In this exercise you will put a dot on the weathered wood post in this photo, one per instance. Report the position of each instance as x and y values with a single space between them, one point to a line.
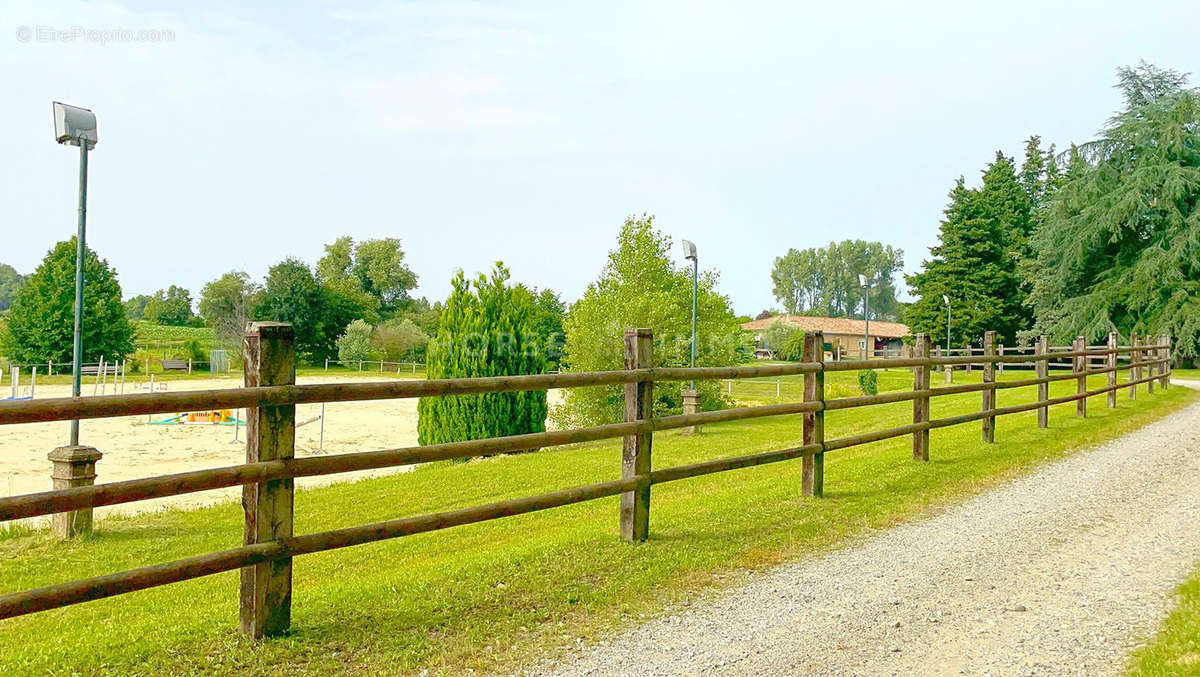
635 456
1152 368
1134 372
1081 365
1000 352
969 352
1165 342
266 596
74 466
1111 363
921 404
1043 371
813 471
989 394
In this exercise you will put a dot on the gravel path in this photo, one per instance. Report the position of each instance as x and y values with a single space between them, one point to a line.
1060 572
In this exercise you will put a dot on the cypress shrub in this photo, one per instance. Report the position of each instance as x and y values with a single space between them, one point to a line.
486 329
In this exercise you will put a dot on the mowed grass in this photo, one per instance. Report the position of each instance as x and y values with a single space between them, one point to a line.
1176 648
491 595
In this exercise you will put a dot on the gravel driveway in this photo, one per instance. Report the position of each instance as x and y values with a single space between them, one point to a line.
1061 572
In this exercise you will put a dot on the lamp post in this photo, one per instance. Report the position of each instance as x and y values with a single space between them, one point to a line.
689 253
866 287
947 300
76 126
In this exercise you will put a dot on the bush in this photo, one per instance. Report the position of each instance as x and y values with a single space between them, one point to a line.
355 344
868 382
399 341
793 347
487 329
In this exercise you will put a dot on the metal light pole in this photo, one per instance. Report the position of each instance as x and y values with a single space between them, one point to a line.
76 126
866 286
947 300
689 252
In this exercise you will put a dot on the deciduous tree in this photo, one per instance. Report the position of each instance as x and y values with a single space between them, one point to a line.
641 286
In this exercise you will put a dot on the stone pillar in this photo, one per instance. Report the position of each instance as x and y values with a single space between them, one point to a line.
74 466
691 405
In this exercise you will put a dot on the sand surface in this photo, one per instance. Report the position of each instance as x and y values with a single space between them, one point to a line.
134 448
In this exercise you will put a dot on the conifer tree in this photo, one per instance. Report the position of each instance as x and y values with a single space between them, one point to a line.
486 329
982 241
1119 243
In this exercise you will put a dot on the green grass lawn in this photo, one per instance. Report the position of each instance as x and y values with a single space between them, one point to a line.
1176 648
490 595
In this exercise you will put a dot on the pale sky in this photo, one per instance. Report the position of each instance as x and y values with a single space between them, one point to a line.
527 132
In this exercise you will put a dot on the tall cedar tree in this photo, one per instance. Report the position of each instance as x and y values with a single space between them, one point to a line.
1119 243
40 324
641 286
976 262
487 329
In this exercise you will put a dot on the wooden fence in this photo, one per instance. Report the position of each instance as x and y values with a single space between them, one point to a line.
271 396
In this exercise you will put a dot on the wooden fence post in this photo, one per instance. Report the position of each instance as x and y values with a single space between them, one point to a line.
1081 365
635 456
1111 363
1043 389
1134 372
1151 369
813 470
989 395
969 352
1165 342
1000 352
921 404
266 593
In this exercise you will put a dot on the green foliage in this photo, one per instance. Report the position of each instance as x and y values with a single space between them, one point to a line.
425 315
641 287
40 324
135 308
172 307
318 314
824 281
399 340
227 304
793 347
550 311
1119 243
775 336
976 261
195 350
371 274
868 382
355 344
486 330
10 282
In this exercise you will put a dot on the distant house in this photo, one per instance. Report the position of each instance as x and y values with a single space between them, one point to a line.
843 336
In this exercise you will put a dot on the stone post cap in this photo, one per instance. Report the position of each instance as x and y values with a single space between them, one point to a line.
75 454
688 392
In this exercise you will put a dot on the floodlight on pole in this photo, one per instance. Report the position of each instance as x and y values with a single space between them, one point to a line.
689 253
866 286
947 300
75 126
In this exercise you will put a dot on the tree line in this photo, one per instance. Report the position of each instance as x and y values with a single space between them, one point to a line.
1102 237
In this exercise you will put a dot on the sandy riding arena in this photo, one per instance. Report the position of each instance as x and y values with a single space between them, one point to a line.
133 447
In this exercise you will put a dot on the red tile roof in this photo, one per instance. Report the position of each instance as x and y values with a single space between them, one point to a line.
832 325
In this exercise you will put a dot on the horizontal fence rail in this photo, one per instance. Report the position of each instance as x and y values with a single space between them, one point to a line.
271 395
